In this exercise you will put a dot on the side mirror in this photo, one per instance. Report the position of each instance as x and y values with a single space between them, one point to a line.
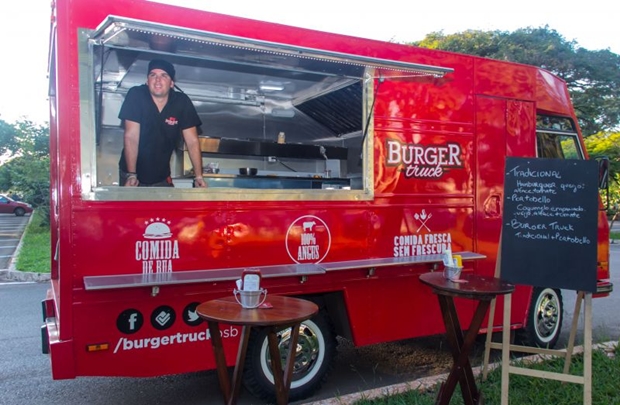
603 178
603 173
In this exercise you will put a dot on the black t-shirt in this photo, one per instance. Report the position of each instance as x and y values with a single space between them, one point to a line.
160 132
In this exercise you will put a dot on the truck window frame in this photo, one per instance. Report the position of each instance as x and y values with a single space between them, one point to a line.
107 36
557 138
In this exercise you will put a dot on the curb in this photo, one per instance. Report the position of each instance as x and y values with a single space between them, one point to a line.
25 276
426 383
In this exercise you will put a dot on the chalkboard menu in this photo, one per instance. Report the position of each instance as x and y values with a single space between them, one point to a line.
549 230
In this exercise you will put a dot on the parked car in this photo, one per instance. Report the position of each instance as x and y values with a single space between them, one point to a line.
10 206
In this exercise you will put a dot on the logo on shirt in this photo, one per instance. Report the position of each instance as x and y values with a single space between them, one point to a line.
172 121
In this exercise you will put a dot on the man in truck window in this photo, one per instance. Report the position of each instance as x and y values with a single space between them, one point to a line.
154 117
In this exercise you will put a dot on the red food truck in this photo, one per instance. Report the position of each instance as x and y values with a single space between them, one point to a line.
367 161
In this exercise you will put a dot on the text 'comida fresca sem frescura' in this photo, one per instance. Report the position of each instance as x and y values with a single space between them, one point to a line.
417 245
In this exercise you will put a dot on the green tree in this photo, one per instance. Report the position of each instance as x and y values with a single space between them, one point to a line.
8 142
592 77
24 147
608 145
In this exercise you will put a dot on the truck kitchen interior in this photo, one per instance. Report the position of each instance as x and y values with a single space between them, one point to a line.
298 118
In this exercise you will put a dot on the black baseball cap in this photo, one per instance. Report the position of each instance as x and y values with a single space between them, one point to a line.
163 65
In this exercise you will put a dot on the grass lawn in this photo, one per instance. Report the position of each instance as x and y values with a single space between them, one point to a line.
35 253
531 390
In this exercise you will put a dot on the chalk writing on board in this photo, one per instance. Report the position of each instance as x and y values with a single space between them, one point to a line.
549 230
528 172
536 215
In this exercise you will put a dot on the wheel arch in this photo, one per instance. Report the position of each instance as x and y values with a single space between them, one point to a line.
334 304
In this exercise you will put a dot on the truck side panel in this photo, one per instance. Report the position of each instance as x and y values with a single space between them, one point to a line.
129 269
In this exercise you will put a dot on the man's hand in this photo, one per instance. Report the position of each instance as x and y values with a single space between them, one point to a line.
200 182
132 181
190 136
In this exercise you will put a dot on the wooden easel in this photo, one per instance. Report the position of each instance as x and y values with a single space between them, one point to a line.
506 347
526 261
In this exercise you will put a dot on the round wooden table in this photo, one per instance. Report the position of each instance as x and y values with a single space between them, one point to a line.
285 312
482 289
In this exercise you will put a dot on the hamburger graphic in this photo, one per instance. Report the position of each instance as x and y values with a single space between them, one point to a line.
157 230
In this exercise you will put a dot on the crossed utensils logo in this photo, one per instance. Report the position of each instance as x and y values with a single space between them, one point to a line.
422 218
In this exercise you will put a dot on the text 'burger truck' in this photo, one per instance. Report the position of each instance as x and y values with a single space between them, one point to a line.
363 162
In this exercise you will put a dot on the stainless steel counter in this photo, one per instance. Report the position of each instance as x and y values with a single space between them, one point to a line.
266 182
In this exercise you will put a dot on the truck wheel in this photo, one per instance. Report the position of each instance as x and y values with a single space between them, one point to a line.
316 348
544 321
19 212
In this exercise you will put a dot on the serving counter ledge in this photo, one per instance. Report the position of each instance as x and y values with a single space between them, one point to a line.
194 276
108 282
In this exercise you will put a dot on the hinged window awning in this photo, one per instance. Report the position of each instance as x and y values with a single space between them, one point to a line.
142 35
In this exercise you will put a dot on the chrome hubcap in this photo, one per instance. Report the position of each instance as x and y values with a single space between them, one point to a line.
547 316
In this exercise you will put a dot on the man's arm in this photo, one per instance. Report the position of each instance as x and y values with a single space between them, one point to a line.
131 139
190 136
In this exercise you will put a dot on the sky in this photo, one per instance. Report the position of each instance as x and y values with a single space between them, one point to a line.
24 30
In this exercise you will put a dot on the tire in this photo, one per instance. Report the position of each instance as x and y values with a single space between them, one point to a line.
544 320
314 359
19 212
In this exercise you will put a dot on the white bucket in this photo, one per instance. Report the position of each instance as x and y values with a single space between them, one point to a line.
452 272
250 299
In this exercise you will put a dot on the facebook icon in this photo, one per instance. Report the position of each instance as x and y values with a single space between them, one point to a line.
129 321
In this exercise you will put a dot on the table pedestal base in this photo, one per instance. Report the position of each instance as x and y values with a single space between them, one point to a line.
470 286
461 346
282 378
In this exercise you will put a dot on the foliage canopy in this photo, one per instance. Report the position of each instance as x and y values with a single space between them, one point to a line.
608 145
592 77
24 147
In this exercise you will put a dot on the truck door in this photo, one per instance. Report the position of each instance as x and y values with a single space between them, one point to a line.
503 128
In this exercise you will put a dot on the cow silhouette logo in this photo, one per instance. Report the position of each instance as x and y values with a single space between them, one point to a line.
308 240
308 225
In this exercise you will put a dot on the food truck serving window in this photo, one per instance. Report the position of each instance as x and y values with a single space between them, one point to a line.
298 118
